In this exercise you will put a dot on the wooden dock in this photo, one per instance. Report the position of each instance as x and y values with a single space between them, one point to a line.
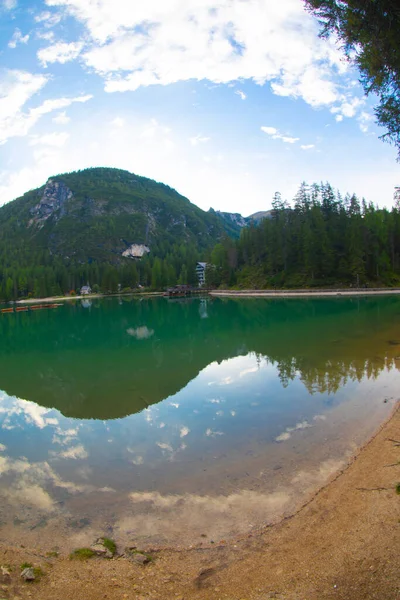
25 308
184 291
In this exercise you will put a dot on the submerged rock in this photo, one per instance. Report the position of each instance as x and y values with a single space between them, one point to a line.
99 548
140 558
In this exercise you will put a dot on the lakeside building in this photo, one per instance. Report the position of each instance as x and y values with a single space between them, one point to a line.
201 273
85 289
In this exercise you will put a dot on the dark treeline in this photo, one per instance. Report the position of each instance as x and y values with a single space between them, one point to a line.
45 275
322 239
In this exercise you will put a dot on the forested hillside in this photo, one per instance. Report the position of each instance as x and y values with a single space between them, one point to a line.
321 239
76 228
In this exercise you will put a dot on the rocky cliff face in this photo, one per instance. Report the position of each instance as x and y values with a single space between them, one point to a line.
136 251
106 216
53 202
234 218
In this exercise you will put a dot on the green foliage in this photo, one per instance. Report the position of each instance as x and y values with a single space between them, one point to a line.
82 554
109 544
82 241
38 573
26 565
369 32
324 240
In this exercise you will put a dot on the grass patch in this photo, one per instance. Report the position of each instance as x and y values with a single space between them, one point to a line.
398 488
38 572
82 554
109 544
52 554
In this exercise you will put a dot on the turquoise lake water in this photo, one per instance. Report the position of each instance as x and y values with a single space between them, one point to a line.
166 421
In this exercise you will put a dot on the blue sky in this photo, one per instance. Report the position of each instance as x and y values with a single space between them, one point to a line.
227 101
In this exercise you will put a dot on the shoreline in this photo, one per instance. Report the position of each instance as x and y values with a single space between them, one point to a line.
303 293
299 293
85 297
340 544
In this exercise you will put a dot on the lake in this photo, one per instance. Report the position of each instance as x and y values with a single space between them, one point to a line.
180 422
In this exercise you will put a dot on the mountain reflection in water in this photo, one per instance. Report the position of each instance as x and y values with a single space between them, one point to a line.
171 420
112 359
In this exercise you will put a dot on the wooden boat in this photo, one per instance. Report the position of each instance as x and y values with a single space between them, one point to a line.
28 308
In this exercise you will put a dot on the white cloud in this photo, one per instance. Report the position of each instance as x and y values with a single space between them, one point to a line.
365 120
57 103
248 371
18 38
307 146
76 452
241 94
198 139
348 107
48 19
8 4
165 446
118 122
140 333
165 42
154 131
276 135
211 433
286 435
16 89
184 431
61 118
45 35
56 139
60 52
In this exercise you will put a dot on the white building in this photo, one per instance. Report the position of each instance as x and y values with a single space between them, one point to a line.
85 289
201 273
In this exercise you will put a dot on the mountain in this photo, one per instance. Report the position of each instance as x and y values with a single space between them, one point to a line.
106 227
99 214
234 222
259 216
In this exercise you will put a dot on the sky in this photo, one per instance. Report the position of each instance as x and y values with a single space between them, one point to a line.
227 101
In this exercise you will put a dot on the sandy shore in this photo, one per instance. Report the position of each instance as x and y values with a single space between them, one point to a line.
343 544
85 297
303 293
233 294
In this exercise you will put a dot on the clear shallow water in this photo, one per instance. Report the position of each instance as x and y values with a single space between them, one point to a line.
162 421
